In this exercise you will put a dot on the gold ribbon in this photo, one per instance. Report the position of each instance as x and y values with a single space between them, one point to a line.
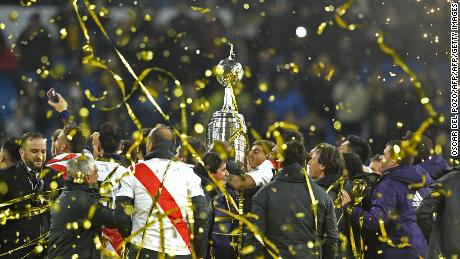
408 146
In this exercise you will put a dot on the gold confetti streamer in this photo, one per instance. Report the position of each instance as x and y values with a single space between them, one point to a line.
408 146
314 202
27 3
321 28
340 12
200 9
40 239
384 237
271 247
89 58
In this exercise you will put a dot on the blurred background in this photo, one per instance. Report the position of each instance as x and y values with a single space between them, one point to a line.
330 85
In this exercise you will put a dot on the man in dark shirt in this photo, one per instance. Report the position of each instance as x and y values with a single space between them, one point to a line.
283 213
77 217
21 237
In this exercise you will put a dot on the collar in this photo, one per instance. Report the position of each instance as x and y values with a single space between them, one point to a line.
391 171
327 180
71 185
368 177
292 173
160 150
264 162
28 169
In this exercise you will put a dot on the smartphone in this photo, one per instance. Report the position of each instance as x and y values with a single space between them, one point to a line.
52 96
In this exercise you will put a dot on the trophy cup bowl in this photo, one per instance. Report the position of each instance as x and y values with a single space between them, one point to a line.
229 72
227 124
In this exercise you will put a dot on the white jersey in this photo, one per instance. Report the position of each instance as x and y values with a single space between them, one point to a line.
179 183
263 173
111 172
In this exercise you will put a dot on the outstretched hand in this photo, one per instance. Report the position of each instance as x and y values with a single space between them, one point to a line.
61 105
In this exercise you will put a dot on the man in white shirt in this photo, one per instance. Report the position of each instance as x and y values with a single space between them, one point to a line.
107 144
153 204
260 168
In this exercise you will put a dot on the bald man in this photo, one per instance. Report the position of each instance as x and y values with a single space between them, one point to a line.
171 184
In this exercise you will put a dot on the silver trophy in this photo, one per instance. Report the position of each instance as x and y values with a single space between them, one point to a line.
227 124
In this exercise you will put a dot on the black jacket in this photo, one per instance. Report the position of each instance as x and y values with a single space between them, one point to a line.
73 229
343 223
443 233
284 215
15 182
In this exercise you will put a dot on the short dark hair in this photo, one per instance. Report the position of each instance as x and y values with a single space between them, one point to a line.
331 158
212 161
294 153
76 141
423 148
376 157
360 147
125 145
291 134
11 146
199 147
403 159
353 164
267 145
110 138
30 135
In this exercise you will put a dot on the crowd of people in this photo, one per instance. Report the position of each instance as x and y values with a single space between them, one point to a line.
104 197
324 190
312 81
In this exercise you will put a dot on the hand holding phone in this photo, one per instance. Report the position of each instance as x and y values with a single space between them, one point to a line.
52 96
56 101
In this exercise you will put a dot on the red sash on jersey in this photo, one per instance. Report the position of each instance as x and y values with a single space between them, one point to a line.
59 163
151 182
116 240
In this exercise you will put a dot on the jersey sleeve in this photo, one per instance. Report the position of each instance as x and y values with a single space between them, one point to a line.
263 174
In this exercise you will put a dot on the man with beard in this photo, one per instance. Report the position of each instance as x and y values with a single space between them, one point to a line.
19 181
